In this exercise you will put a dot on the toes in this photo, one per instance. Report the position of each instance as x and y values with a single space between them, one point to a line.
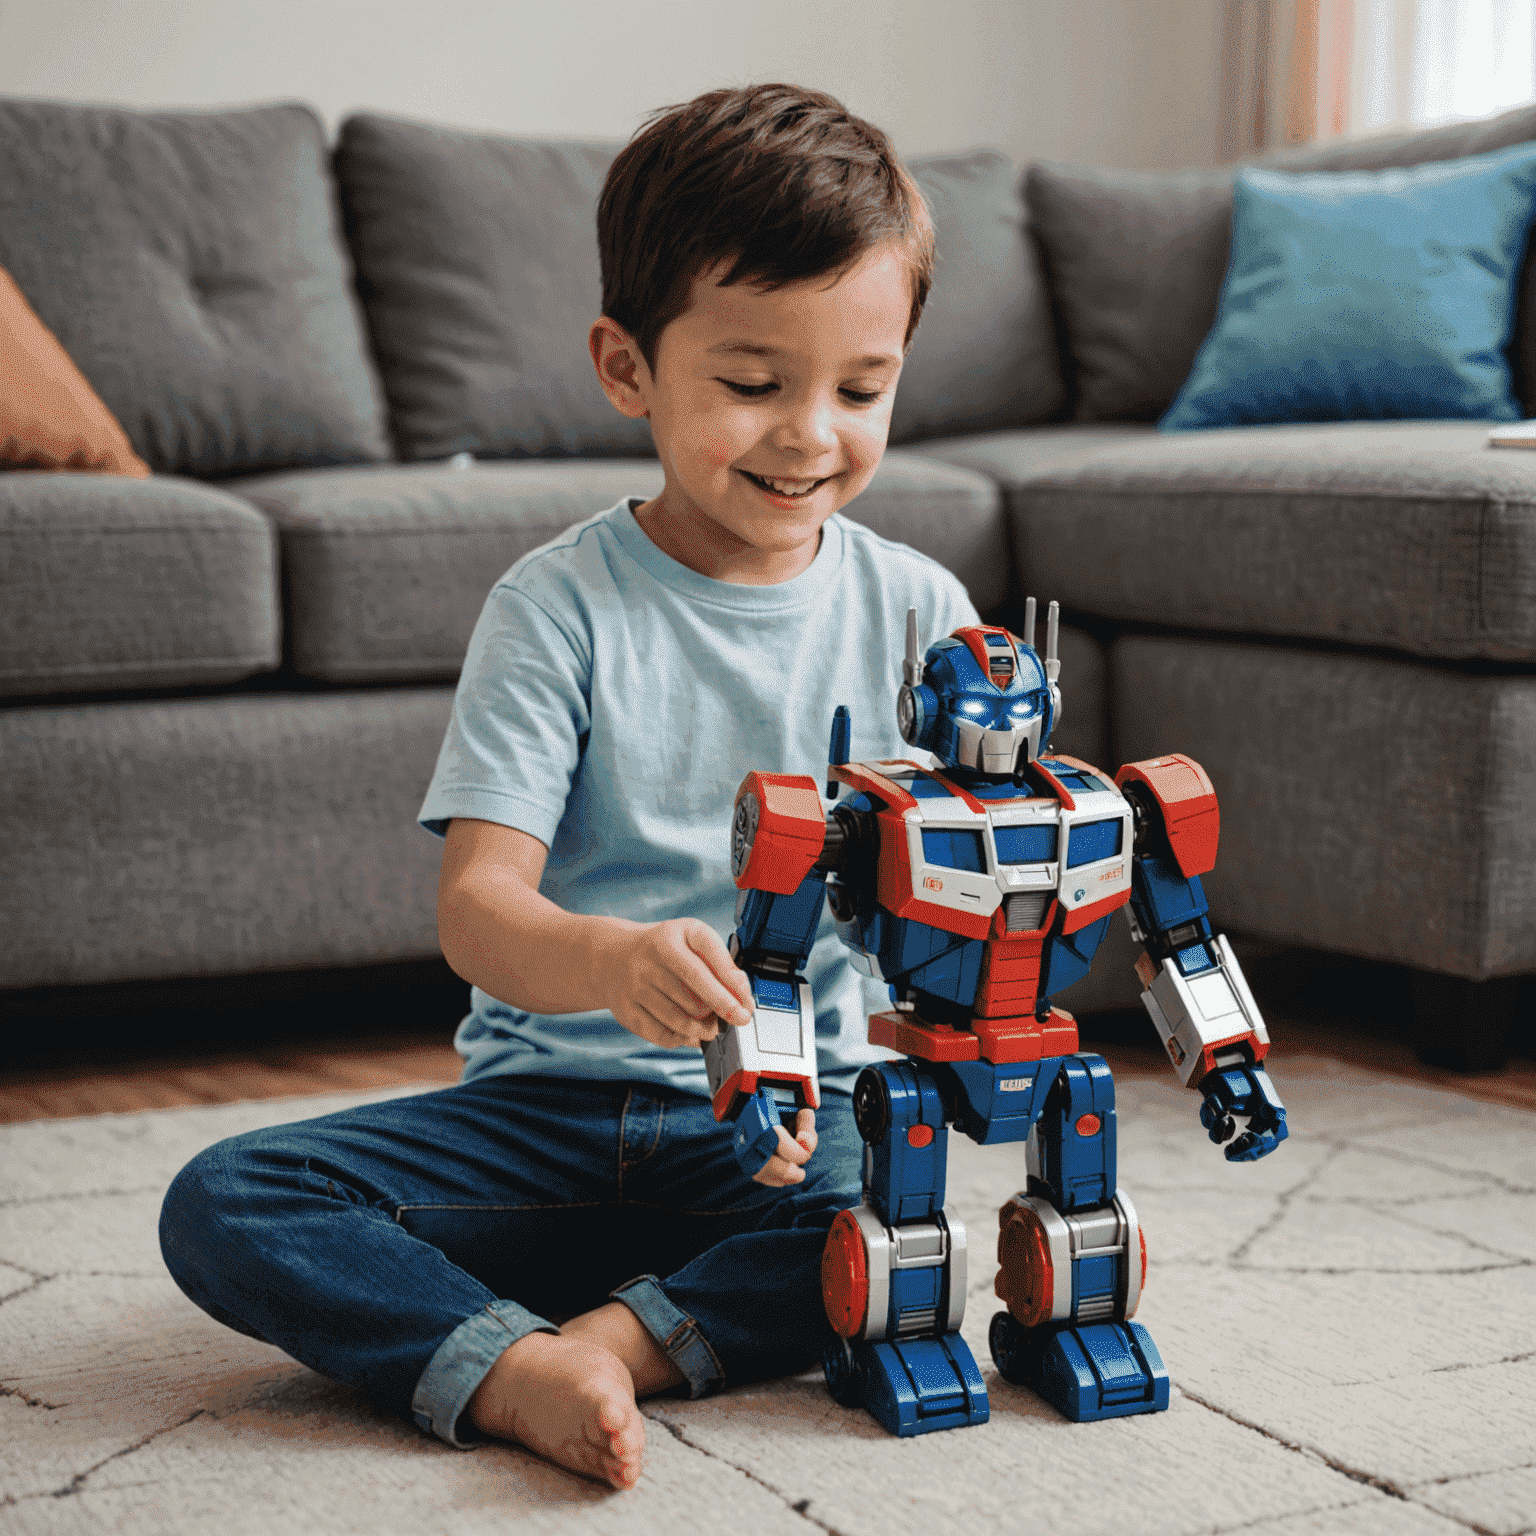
617 1413
622 1474
628 1444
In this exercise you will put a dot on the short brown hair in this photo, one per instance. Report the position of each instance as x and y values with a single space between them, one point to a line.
780 182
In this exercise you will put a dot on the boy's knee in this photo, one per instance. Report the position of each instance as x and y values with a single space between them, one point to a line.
194 1203
219 1190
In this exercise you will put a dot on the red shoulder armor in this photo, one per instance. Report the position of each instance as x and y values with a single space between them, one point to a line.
1184 795
777 832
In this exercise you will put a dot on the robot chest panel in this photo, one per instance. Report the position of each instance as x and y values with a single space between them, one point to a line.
952 861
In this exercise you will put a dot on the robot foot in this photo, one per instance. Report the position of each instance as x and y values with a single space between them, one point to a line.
912 1386
1086 1371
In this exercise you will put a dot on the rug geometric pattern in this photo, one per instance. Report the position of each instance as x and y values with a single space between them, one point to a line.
1350 1327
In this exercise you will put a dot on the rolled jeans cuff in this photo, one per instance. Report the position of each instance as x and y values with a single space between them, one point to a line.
676 1333
444 1389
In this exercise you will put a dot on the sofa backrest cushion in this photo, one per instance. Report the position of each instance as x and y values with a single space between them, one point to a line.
1136 259
477 262
477 265
190 264
985 355
50 417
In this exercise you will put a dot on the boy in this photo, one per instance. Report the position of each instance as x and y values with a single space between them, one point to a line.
765 261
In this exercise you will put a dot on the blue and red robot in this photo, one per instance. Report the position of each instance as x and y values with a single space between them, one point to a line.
977 888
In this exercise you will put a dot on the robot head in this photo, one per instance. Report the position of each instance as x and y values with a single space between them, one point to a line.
981 699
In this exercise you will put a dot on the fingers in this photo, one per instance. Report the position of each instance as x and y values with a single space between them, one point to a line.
679 983
785 1166
715 977
805 1130
648 1026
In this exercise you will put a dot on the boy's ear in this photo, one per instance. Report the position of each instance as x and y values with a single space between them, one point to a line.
620 368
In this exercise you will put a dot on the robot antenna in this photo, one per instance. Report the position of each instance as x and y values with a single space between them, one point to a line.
912 666
1052 661
1029 622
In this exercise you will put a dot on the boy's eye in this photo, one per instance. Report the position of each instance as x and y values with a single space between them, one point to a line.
748 391
862 396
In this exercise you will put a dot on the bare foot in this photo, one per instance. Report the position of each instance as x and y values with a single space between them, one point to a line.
615 1327
569 1399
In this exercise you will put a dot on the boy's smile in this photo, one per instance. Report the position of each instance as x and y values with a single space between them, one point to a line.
769 409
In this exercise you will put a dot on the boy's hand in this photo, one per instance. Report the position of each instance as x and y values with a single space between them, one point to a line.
670 982
785 1166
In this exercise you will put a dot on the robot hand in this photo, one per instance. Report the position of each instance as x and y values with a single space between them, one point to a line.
1243 1091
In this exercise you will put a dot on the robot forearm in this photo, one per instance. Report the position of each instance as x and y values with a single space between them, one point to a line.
1205 1016
1195 992
760 1071
1194 988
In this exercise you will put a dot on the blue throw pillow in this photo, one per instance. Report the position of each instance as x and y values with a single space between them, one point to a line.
1360 295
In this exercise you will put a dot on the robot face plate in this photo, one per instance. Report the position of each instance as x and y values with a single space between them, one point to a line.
998 734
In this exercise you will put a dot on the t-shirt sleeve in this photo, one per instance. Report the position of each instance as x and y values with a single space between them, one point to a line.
520 719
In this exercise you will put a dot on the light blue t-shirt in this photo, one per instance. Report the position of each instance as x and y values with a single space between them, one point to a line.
610 705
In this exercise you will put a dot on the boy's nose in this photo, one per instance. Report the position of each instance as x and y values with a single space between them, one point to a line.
806 429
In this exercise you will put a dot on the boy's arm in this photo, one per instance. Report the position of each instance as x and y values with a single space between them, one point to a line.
665 982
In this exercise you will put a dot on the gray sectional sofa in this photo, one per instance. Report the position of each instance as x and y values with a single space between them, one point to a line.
359 374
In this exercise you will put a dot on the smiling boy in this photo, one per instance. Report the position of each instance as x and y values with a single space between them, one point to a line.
765 261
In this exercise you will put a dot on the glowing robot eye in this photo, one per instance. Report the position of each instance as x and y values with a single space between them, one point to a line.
973 707
1023 709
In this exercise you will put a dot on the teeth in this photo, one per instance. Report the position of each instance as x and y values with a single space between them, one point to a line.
787 487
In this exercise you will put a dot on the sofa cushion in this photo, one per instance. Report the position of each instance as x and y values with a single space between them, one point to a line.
477 263
217 836
109 583
386 569
985 355
191 266
50 417
1136 259
1367 295
1412 535
1369 805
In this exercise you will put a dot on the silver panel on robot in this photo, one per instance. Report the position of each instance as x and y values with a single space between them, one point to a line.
917 1245
981 891
1110 1231
776 1040
1192 1013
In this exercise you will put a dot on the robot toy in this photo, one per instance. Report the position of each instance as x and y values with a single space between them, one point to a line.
977 888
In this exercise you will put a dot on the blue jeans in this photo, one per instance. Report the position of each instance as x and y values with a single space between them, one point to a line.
401 1247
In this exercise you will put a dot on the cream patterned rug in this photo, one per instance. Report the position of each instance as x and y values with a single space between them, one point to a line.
1350 1327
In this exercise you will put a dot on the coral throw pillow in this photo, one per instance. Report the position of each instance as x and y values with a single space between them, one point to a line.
1359 295
50 417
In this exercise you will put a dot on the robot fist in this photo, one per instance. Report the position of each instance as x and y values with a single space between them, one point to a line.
1245 1091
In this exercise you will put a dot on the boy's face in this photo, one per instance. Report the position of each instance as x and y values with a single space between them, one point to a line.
769 410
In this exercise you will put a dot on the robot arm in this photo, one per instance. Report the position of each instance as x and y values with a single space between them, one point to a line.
1194 988
761 1071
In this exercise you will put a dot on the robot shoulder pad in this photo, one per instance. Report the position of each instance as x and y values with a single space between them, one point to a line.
1176 789
777 832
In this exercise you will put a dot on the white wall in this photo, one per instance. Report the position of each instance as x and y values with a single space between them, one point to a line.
1126 82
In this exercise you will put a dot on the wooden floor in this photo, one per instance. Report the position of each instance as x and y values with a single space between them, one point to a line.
39 1093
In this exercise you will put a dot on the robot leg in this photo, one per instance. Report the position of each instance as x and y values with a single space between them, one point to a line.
893 1270
1073 1264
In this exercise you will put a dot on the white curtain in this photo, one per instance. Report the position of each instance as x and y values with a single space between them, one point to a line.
1433 61
1295 70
